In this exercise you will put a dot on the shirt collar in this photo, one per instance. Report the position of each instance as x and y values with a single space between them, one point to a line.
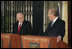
55 19
19 24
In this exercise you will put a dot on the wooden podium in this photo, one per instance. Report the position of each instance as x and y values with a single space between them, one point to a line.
10 41
30 41
15 41
5 39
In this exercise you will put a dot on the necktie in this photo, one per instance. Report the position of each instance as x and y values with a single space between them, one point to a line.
19 28
51 24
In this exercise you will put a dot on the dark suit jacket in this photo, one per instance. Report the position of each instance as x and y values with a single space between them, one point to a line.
58 28
25 28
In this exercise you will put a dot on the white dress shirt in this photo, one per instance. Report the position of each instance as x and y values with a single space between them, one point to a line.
54 21
19 24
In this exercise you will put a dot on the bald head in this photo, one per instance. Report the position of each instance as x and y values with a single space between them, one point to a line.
52 13
20 17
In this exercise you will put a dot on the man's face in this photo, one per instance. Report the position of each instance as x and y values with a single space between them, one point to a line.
50 15
20 17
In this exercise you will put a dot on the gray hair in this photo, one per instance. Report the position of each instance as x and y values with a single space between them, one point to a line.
54 12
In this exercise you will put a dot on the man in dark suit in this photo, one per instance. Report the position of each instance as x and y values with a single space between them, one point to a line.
56 27
22 27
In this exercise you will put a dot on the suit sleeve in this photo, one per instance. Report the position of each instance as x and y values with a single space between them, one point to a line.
13 29
62 29
29 28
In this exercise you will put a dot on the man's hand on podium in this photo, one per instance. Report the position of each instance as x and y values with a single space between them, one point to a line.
59 39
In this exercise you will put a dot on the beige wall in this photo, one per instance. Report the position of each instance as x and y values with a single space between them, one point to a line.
65 18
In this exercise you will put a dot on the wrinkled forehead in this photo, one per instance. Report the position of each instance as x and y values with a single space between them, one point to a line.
20 15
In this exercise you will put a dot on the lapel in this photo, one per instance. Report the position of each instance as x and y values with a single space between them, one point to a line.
22 27
55 23
16 26
49 26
